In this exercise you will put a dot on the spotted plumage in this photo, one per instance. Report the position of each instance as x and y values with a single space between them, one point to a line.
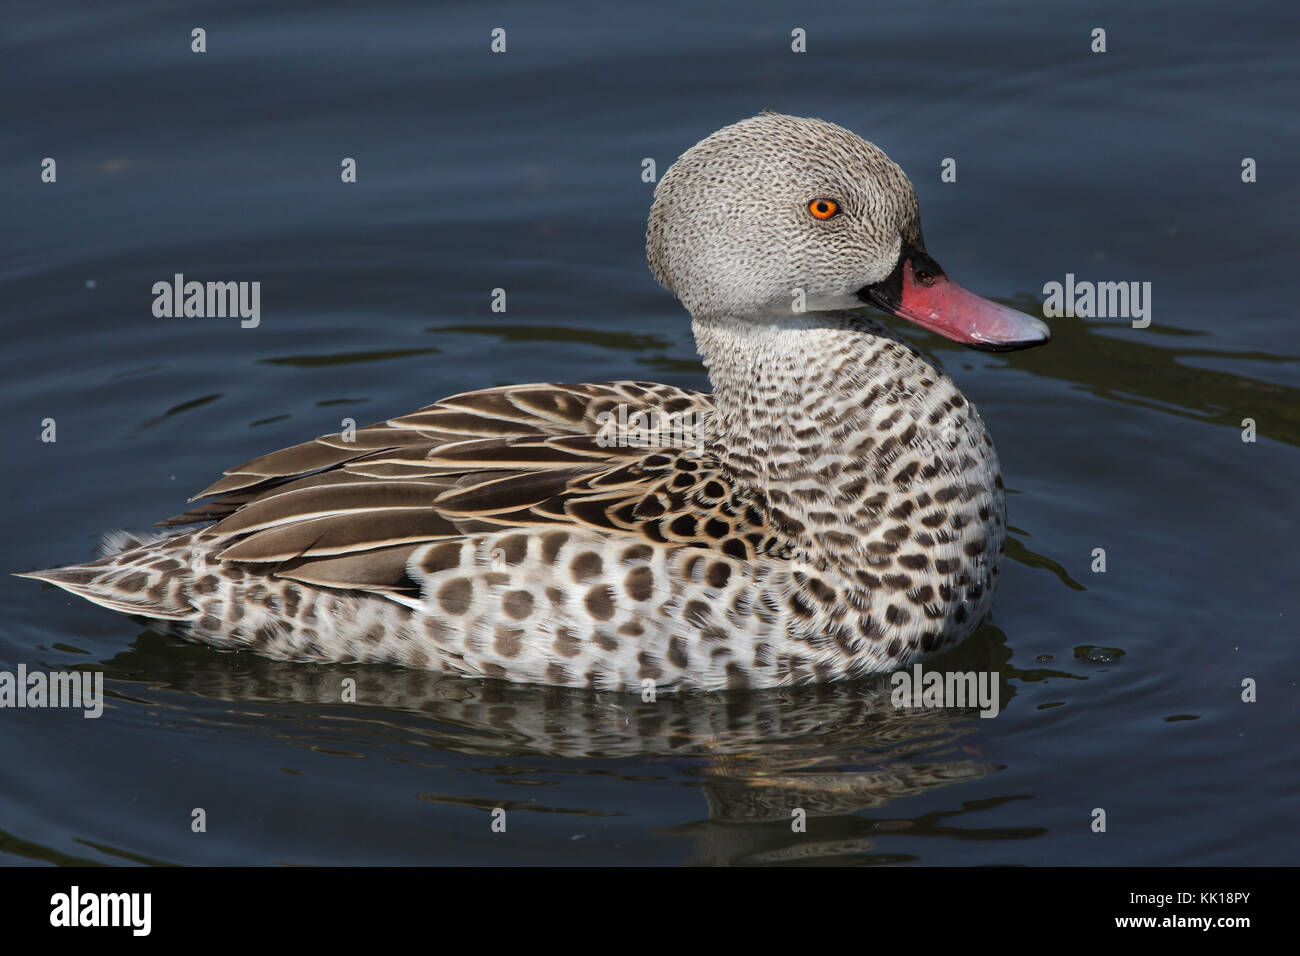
834 509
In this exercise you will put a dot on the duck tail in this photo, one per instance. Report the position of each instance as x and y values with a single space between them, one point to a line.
137 575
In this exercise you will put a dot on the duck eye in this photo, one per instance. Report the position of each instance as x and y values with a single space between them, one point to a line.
824 208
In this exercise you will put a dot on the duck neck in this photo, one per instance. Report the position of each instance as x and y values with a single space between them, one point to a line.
792 391
822 412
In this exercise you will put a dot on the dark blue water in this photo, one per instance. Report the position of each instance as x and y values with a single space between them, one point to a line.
523 171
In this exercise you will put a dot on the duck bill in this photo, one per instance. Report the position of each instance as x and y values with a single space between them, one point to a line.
919 291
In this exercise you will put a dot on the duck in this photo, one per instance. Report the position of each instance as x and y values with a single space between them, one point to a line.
833 509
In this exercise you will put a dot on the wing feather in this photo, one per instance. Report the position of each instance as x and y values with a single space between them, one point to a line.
347 510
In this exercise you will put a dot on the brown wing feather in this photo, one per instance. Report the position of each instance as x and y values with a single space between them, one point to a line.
348 513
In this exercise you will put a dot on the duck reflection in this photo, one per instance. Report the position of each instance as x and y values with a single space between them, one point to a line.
759 757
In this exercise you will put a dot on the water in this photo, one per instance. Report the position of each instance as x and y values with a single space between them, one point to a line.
522 171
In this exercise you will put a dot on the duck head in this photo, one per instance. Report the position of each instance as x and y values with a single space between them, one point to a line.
780 214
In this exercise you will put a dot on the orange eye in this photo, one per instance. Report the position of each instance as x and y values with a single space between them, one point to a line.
824 208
